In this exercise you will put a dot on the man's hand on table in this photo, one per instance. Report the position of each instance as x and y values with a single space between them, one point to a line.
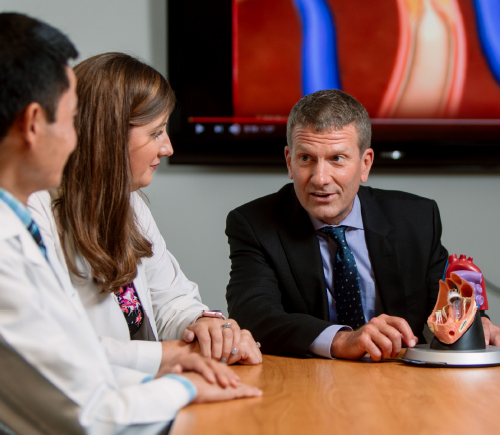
382 337
491 332
248 352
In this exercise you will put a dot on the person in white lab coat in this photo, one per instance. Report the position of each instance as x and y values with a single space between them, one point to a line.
54 375
136 296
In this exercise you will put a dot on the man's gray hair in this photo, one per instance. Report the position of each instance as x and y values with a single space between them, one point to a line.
330 109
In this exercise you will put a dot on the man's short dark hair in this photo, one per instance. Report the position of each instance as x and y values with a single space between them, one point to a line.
330 109
33 60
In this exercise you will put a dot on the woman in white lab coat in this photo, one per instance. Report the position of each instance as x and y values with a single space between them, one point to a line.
138 300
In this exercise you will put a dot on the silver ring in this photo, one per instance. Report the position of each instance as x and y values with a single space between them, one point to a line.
226 325
223 360
257 344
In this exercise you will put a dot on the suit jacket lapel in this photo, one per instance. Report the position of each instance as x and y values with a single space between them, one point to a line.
381 242
302 250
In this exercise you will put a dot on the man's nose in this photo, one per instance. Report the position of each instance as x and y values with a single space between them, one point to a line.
319 176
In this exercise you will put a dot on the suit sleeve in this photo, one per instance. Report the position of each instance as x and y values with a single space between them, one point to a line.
437 262
255 299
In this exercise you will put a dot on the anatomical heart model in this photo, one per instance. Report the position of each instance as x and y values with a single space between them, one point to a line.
461 294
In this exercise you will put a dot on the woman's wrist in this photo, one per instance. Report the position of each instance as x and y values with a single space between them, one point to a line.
215 314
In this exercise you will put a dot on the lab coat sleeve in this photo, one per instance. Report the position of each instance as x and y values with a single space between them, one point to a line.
176 300
52 333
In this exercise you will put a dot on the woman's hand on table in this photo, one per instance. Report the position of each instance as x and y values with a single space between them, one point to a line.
179 357
223 340
208 392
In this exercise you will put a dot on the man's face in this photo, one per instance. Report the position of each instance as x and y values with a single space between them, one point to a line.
58 139
326 170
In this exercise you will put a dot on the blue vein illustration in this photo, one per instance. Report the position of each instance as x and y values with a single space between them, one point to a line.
319 46
488 24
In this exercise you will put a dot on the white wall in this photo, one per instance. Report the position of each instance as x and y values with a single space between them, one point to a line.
190 203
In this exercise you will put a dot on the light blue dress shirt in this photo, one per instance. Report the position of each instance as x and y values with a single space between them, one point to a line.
355 237
17 207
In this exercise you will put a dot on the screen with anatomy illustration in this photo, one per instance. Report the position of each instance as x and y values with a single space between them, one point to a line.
427 71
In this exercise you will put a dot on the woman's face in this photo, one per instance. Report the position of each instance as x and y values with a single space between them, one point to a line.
146 145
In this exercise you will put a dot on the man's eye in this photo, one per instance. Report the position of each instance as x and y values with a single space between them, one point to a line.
304 158
337 158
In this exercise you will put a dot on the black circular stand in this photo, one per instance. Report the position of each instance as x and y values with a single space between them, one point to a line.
468 351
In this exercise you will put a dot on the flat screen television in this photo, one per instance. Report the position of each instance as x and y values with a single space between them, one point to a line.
427 71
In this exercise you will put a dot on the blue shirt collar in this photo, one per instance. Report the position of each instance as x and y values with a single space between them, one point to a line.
17 207
352 220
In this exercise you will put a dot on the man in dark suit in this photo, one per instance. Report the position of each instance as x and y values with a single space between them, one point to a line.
293 252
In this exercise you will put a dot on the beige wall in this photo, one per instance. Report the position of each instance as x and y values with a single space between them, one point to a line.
190 203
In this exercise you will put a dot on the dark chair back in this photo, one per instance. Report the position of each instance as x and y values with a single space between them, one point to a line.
29 403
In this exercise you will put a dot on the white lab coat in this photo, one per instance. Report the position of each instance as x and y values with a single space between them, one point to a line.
43 319
170 300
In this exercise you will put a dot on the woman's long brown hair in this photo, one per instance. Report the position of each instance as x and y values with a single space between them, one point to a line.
92 206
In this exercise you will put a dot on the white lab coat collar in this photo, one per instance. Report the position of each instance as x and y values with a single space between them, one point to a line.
11 226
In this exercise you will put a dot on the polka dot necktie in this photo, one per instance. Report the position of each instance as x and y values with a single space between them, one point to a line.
346 285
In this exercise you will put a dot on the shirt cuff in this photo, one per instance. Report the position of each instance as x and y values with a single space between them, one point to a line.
188 385
323 343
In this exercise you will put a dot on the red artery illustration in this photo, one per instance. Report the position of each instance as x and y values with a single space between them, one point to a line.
371 41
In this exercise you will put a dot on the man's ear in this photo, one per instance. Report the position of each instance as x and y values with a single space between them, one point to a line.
288 158
366 164
33 123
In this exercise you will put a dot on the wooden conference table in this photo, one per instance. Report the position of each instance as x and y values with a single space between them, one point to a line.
317 396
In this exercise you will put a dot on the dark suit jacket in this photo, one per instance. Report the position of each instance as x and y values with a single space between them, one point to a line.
277 288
